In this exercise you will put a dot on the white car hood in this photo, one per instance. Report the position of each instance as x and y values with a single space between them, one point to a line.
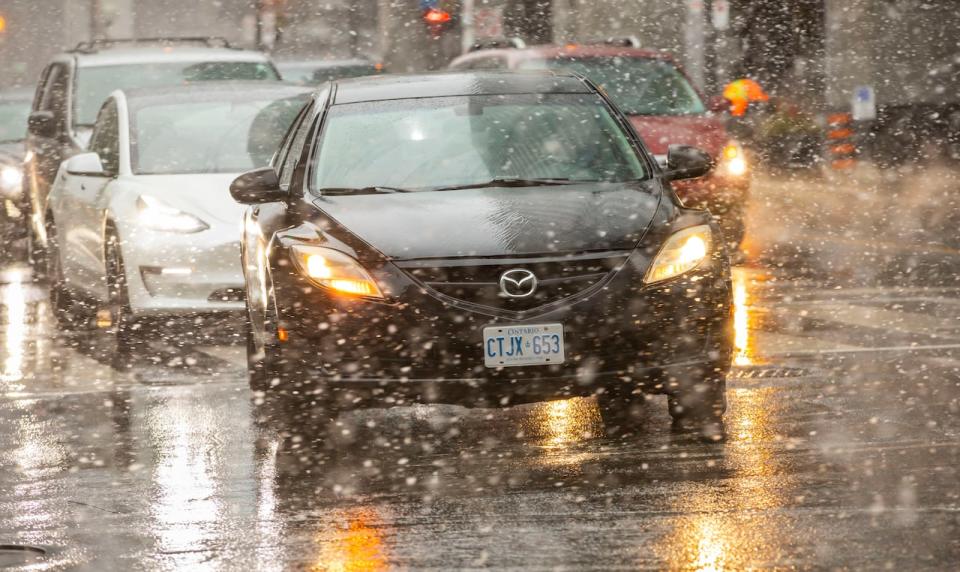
204 196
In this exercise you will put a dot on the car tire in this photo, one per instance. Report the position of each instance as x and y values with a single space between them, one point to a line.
622 410
257 374
36 255
125 329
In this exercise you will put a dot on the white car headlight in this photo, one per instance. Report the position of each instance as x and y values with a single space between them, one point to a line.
156 215
733 161
11 177
682 252
335 271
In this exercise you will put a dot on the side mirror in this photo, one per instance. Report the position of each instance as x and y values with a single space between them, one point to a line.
86 164
718 104
257 186
687 162
42 124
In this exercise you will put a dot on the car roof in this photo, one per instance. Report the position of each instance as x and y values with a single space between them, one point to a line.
324 64
553 51
201 90
159 54
453 83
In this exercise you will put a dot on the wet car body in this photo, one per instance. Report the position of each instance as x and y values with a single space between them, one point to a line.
153 233
723 192
437 257
74 84
318 71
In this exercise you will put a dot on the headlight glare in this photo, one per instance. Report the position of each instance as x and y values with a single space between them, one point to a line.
733 160
682 252
335 271
10 179
156 215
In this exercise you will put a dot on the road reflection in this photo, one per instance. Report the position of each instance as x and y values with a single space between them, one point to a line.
746 318
736 523
15 327
357 541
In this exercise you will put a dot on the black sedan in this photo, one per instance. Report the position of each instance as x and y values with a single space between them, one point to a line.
486 238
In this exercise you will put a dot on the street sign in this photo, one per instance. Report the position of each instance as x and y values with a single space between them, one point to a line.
720 15
864 103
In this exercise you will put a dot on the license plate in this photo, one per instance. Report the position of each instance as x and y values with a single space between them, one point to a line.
529 344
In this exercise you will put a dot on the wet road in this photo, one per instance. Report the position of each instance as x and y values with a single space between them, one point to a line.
842 450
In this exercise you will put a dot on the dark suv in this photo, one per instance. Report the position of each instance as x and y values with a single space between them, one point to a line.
75 83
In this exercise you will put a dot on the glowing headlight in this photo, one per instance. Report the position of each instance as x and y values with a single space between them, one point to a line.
156 215
682 252
10 179
335 271
733 160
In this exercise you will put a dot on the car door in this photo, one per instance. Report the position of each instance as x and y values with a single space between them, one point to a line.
81 227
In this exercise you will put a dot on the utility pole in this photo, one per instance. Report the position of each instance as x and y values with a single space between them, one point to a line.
467 30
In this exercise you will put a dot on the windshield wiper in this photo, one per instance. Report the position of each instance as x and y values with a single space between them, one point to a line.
376 190
511 182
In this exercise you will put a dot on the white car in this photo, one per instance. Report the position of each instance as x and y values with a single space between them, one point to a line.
144 224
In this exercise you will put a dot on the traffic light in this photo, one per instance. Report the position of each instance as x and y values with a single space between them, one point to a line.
436 17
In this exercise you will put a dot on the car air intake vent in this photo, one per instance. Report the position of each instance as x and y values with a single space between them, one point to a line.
481 281
227 295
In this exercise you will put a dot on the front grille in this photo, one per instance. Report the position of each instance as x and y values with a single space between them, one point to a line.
477 281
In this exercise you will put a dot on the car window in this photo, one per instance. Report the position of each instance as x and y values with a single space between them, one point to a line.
41 88
94 84
638 85
57 88
448 141
13 120
105 140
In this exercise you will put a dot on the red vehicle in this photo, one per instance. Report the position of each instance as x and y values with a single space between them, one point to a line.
664 107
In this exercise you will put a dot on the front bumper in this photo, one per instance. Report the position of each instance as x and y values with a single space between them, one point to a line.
171 273
624 333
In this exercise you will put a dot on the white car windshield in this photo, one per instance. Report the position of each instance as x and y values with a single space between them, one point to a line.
217 136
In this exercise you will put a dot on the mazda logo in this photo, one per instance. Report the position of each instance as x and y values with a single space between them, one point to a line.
518 283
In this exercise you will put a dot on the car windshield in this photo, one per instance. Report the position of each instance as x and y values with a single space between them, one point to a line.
13 120
94 84
639 86
432 143
214 136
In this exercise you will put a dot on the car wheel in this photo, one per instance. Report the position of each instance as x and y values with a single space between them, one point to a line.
36 255
125 330
622 410
258 376
61 303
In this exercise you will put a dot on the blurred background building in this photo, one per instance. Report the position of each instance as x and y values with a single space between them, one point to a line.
819 51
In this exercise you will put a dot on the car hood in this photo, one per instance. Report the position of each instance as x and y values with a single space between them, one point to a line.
659 132
498 221
205 196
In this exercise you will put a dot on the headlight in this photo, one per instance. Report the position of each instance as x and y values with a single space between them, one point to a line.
732 160
682 252
156 215
334 271
10 179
